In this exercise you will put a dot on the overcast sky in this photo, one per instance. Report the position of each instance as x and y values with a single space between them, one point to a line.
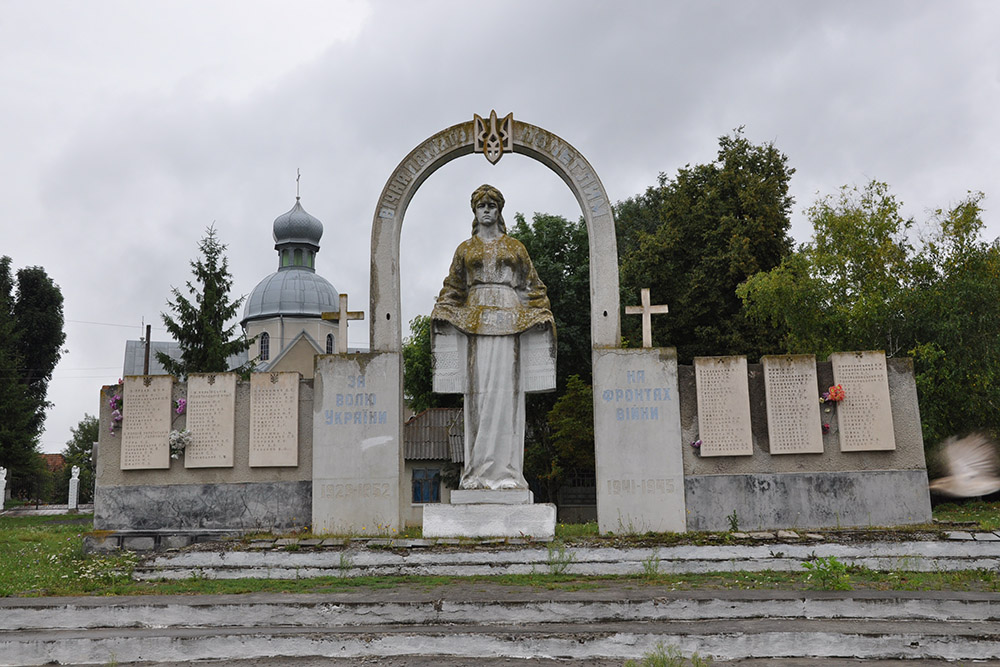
129 127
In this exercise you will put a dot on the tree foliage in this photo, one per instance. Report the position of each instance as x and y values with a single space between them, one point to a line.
31 339
694 238
560 252
199 325
846 289
867 281
572 423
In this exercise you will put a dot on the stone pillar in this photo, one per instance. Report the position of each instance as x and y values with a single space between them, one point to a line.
637 441
74 489
357 443
3 487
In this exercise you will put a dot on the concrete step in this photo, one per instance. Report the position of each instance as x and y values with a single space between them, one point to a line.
723 640
475 620
353 561
489 604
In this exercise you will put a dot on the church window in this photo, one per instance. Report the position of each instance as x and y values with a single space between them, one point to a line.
265 346
298 257
286 258
426 485
329 343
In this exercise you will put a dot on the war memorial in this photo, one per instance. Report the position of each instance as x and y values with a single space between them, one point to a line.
678 448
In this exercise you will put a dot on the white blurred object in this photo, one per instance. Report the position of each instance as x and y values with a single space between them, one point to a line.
971 466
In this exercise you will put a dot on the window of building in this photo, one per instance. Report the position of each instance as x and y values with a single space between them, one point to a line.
265 347
426 485
329 343
298 257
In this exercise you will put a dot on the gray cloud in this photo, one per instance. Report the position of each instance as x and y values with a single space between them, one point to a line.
130 127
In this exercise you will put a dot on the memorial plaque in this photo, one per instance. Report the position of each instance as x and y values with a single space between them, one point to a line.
274 420
146 414
538 360
449 359
865 415
211 418
794 424
723 406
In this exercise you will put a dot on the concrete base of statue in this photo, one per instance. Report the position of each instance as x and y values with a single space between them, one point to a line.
491 497
490 514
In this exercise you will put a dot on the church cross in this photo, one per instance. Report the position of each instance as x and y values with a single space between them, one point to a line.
342 317
647 311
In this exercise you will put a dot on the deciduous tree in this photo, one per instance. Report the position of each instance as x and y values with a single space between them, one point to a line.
697 236
866 281
31 338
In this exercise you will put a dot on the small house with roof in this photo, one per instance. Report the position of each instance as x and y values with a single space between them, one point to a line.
433 456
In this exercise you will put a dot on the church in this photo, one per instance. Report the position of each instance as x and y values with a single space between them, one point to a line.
283 313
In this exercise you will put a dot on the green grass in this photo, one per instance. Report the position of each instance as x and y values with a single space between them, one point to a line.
669 656
42 556
986 515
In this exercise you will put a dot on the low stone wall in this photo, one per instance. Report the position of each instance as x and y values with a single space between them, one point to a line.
237 498
824 490
244 507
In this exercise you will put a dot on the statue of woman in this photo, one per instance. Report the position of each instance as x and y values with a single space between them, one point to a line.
494 308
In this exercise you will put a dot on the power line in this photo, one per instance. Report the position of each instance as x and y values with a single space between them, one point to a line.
111 324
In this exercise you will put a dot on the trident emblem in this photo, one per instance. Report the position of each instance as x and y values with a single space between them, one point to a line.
493 139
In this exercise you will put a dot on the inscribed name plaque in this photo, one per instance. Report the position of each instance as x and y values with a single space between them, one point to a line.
274 420
865 415
723 406
211 416
146 422
794 425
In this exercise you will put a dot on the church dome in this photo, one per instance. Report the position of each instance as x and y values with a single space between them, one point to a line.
297 226
295 289
291 293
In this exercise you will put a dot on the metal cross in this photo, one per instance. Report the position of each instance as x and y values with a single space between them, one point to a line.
647 311
341 318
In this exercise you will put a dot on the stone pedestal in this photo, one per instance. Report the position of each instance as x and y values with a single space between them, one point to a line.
74 493
637 440
490 520
490 497
357 444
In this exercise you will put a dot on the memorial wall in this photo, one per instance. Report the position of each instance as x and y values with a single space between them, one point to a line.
759 440
247 464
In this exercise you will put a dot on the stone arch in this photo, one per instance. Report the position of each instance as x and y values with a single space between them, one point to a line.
457 141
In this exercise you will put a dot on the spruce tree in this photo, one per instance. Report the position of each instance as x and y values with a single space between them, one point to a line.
199 325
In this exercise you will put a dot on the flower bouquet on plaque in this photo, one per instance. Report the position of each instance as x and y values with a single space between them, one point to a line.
116 404
829 399
179 440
